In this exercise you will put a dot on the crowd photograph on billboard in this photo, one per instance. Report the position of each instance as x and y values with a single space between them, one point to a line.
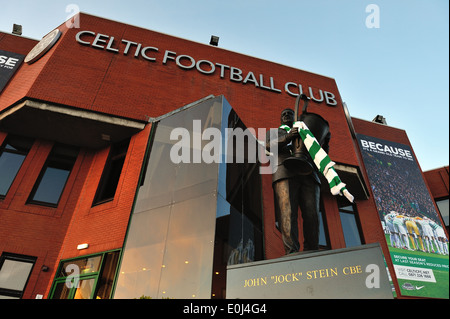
416 239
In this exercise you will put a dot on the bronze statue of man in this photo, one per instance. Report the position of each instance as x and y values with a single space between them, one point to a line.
293 190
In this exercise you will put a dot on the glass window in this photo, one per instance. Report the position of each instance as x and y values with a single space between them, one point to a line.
111 173
14 273
85 289
12 154
170 240
239 232
86 278
53 177
350 224
106 279
191 218
324 242
61 290
84 266
442 204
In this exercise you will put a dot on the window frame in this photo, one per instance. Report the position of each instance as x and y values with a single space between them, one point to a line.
53 161
18 258
96 275
440 205
4 149
353 212
324 223
117 152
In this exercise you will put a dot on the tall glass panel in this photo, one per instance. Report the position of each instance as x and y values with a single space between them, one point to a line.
239 230
187 262
196 211
170 242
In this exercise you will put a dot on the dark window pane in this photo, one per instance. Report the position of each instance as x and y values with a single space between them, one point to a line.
61 291
350 228
54 175
111 173
12 155
112 179
323 230
51 185
350 224
9 166
443 209
105 283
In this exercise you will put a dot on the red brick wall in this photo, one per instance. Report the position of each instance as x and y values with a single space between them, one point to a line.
35 230
99 80
17 44
54 233
102 81
437 180
103 226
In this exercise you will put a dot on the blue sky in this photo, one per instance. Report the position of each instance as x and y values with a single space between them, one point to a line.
399 70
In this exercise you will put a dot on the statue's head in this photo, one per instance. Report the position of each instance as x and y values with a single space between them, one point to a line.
287 117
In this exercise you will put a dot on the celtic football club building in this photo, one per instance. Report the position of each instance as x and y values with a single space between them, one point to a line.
133 165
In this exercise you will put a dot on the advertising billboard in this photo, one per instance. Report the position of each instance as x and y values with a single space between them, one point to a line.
9 64
414 234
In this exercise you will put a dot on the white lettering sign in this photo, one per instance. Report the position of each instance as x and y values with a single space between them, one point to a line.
386 149
186 62
414 273
8 62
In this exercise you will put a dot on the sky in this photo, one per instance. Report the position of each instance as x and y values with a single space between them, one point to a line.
388 57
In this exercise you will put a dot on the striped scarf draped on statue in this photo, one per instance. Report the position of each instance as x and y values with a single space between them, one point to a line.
321 160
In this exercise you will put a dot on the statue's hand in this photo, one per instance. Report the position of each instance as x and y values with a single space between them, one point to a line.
293 133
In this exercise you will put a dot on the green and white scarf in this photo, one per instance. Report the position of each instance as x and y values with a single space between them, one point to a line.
321 160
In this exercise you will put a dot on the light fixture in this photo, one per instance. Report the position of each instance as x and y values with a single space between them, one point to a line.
17 29
82 246
214 40
380 119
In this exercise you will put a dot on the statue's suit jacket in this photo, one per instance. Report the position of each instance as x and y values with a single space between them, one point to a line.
284 146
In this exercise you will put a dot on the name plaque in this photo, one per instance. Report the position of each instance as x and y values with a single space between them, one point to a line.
358 272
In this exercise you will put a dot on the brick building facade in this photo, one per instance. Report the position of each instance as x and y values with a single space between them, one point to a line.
89 108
